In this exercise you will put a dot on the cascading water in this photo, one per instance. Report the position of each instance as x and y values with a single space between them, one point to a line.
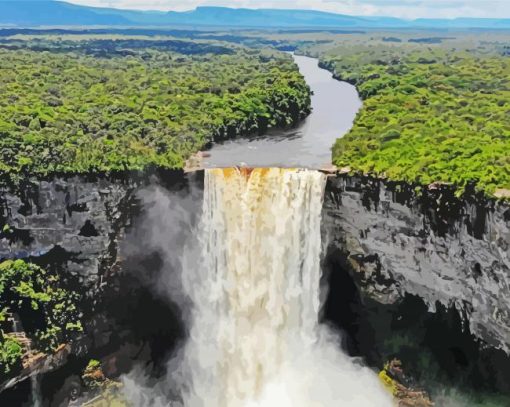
255 338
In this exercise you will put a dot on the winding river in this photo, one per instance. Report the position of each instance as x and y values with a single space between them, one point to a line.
334 107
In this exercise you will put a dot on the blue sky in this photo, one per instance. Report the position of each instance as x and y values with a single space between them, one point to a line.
396 8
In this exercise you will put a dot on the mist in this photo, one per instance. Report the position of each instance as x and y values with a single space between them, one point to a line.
243 267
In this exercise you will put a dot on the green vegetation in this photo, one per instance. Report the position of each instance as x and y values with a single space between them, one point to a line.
102 389
48 312
63 110
10 354
430 113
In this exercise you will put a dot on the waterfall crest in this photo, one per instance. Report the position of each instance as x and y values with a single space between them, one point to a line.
255 338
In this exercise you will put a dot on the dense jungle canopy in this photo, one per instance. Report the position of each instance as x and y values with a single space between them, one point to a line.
101 105
431 112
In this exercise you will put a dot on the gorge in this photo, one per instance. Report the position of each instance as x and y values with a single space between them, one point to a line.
384 248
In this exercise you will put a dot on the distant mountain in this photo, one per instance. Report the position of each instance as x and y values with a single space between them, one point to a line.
46 12
34 13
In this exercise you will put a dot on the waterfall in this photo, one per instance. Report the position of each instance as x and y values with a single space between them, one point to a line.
255 338
19 332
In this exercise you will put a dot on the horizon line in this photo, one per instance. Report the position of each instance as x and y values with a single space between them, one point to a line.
360 16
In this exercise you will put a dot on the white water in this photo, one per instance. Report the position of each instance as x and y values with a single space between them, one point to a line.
255 339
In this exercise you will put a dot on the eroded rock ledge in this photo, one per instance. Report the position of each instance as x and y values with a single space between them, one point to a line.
452 251
72 224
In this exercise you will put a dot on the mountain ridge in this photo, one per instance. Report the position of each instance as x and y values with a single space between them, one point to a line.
36 13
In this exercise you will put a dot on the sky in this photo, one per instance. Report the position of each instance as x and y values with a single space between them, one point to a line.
396 8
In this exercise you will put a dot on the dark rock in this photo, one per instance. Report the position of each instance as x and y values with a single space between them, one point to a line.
72 221
446 250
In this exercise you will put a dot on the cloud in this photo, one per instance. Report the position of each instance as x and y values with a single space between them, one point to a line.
437 8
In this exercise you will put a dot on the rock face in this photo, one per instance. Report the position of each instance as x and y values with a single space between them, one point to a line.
73 224
448 250
392 240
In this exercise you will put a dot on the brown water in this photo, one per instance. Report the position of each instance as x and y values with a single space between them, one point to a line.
334 105
255 337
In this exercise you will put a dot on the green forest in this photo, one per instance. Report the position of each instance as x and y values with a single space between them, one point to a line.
435 110
431 113
103 105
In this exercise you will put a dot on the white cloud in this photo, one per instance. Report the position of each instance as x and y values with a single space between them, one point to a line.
395 8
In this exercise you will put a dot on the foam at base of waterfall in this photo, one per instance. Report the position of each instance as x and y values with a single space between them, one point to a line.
323 376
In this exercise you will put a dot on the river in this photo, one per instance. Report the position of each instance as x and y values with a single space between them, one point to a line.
334 108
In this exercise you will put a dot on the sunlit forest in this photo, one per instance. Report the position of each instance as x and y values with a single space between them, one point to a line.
435 109
101 105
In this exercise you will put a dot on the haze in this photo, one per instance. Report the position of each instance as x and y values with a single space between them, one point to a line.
396 8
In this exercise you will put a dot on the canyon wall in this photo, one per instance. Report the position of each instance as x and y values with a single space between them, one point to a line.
70 224
396 240
74 226
392 240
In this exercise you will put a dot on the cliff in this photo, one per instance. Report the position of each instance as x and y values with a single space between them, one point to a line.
395 241
392 240
73 226
69 224
444 249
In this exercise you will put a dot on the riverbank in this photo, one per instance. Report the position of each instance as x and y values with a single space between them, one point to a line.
92 106
334 105
431 113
